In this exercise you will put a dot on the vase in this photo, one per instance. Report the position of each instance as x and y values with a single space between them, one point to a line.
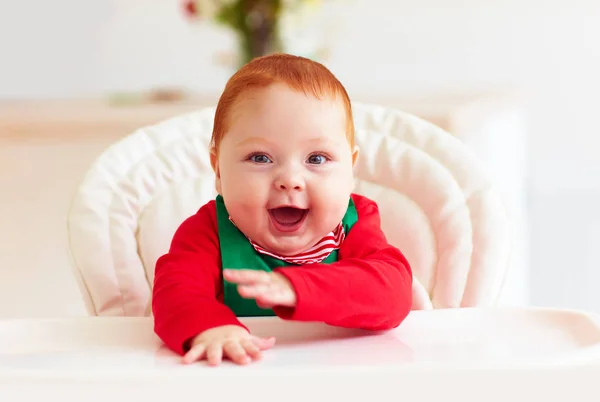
256 25
261 40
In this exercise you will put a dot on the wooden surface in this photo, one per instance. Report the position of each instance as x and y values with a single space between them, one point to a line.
70 119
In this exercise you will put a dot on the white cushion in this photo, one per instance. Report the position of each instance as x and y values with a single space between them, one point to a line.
437 206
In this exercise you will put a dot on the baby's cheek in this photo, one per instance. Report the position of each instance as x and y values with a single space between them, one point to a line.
241 186
333 203
339 186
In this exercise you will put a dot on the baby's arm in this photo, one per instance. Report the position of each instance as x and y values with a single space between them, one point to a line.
370 287
187 282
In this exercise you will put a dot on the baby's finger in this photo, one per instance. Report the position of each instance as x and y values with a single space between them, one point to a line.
246 276
214 354
263 343
264 304
253 291
276 297
251 349
236 352
194 354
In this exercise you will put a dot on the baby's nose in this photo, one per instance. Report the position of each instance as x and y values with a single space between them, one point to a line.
287 187
289 182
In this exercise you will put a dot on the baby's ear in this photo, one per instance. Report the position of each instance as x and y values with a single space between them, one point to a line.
214 162
355 153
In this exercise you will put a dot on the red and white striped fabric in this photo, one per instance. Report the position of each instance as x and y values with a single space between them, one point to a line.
315 254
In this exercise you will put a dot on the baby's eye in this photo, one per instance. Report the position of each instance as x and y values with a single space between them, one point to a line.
317 159
260 158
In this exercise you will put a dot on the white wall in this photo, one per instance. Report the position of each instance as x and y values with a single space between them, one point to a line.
551 48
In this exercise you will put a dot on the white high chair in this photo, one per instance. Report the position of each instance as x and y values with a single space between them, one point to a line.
437 205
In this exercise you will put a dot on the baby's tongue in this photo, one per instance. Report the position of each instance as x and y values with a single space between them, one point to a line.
287 215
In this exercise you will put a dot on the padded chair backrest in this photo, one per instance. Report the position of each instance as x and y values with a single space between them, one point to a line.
437 205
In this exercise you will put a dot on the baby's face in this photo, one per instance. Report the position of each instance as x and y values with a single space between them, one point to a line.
284 168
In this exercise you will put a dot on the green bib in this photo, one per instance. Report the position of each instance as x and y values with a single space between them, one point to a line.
238 253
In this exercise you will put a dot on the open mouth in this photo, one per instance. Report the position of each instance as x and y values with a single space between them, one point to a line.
288 219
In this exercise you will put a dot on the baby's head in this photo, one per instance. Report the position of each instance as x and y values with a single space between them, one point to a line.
283 152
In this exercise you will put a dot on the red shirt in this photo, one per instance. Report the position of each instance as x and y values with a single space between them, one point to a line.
369 287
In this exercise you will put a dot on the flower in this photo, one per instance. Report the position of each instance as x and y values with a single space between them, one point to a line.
189 8
205 9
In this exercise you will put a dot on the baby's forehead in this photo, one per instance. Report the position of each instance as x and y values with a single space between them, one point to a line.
264 101
278 112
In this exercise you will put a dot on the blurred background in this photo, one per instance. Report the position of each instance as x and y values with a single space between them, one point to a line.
518 80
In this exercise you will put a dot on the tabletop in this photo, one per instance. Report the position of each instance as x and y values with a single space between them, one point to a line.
98 356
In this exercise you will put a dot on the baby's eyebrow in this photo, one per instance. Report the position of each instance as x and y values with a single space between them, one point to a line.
326 141
319 139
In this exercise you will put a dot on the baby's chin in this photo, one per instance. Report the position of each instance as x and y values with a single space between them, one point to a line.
286 246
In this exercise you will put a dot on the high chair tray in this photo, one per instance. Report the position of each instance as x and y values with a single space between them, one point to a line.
459 348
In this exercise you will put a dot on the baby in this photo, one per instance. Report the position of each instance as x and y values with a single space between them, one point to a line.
285 236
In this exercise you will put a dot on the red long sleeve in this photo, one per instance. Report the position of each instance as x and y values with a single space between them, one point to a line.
187 293
369 287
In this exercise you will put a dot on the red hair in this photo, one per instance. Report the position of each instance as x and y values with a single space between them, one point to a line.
299 73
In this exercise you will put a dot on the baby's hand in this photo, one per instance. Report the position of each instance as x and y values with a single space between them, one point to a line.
231 341
269 289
